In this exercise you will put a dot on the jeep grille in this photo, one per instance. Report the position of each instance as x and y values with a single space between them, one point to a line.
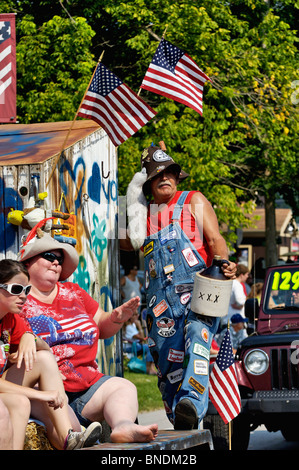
284 374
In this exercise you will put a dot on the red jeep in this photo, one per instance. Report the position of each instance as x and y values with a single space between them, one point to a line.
266 364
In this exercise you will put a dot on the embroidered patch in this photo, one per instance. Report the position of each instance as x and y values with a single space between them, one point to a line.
160 308
166 327
190 257
201 367
183 288
195 384
175 376
174 355
201 350
170 236
184 299
148 248
152 301
168 269
205 335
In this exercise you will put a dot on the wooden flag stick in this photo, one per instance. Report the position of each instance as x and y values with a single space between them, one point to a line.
72 125
229 423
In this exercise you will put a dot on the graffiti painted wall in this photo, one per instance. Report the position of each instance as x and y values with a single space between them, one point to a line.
86 177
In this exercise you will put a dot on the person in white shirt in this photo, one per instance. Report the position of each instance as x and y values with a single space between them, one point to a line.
238 294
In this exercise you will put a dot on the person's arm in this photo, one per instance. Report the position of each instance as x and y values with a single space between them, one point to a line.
207 223
110 323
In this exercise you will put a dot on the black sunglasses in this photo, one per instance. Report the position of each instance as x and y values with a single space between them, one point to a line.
16 289
49 256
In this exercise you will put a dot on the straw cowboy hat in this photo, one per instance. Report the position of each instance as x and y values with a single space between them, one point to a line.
155 160
38 242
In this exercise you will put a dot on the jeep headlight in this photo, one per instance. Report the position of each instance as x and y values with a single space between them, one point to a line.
256 362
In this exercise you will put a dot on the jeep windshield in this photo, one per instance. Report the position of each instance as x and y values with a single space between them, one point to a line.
283 290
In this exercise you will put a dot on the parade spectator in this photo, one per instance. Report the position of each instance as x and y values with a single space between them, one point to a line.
32 363
71 322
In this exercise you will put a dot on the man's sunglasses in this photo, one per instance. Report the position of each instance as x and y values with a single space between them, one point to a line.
16 289
49 256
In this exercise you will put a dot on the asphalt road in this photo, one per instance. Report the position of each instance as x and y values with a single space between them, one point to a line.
260 439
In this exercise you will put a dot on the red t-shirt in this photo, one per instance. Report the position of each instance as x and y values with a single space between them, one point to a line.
12 328
160 220
68 327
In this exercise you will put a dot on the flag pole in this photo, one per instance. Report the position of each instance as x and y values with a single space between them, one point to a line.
230 422
73 122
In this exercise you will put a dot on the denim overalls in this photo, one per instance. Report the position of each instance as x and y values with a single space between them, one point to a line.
179 339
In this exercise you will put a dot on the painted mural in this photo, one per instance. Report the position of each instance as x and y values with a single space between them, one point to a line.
83 185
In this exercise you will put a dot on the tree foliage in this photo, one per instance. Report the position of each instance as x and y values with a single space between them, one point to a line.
242 149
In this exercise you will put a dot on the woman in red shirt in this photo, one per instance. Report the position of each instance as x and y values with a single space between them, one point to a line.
71 322
26 361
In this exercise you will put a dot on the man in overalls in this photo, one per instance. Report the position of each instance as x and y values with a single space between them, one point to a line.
182 238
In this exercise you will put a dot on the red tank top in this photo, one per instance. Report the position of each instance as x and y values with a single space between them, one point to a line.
156 221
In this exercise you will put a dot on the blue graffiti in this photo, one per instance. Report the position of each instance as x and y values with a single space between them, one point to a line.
9 199
66 167
17 142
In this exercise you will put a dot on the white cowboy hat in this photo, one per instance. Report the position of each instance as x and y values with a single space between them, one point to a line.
41 242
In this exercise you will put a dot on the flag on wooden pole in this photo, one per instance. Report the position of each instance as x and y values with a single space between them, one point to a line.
114 106
223 387
8 79
174 74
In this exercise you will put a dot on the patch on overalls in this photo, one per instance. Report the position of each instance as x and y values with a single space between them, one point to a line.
190 257
201 367
152 268
148 248
195 384
149 322
168 269
175 376
151 343
201 350
152 301
179 289
184 299
160 308
205 335
170 236
146 279
174 355
166 327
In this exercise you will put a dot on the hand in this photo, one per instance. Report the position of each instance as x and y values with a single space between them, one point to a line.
52 397
26 351
229 270
125 311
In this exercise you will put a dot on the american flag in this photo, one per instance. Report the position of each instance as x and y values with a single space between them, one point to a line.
223 387
114 106
172 73
7 68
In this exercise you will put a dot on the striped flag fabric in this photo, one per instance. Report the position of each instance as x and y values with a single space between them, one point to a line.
8 81
223 387
174 74
114 106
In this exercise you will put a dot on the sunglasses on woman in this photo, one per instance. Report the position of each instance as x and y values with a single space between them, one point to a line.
49 256
16 289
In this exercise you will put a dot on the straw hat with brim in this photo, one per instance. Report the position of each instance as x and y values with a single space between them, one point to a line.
155 160
37 245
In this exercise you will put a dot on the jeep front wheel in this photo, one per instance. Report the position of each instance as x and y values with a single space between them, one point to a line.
240 432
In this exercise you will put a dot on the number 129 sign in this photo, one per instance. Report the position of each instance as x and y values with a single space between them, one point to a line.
286 280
